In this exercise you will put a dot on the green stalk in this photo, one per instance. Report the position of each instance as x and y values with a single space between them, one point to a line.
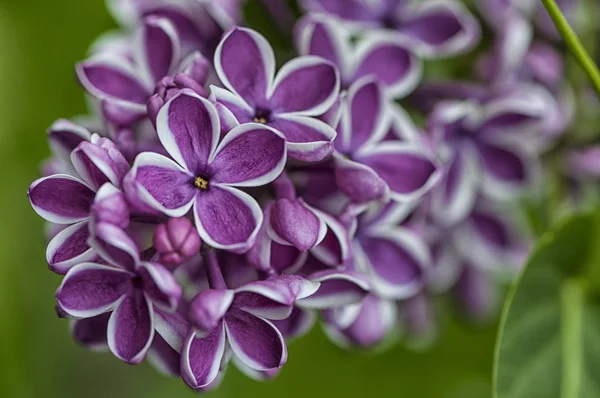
573 42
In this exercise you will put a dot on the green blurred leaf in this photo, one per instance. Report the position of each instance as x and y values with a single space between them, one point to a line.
549 340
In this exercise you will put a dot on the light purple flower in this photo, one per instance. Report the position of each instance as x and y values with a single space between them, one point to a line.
382 55
124 85
488 147
368 168
435 27
304 87
127 287
205 171
237 320
584 164
68 200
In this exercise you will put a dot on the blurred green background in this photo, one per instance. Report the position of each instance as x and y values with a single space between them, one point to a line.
39 43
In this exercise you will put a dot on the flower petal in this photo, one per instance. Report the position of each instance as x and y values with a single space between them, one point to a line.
61 199
131 328
359 182
91 289
107 76
188 127
441 28
335 248
99 162
156 48
160 286
201 357
245 63
308 139
160 184
163 357
172 327
91 332
395 260
267 299
297 324
69 247
115 246
250 155
404 167
293 222
507 170
227 218
391 61
338 288
307 85
208 308
255 341
64 136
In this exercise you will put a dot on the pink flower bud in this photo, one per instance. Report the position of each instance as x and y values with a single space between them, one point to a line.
176 240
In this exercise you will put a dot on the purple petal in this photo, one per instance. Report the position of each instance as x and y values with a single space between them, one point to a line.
441 28
201 357
255 341
245 63
268 299
249 155
293 222
504 165
115 246
122 113
64 136
338 288
308 139
404 167
69 247
160 184
108 76
92 289
321 36
477 294
366 116
359 182
298 285
393 63
395 260
91 332
354 10
234 108
157 48
227 218
61 199
209 307
131 328
308 85
334 250
172 327
99 162
163 357
160 286
297 324
110 206
584 162
188 127
375 320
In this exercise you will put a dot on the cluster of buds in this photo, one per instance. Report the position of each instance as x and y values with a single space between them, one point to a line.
216 206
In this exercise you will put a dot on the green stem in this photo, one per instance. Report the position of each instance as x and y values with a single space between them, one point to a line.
573 42
572 302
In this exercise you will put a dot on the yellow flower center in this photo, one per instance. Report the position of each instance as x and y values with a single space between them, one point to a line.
201 183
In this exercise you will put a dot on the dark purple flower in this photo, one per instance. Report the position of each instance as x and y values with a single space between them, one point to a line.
127 287
434 27
176 240
304 87
237 320
383 56
368 168
205 171
68 200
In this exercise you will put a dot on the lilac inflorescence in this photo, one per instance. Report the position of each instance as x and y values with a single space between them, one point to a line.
217 206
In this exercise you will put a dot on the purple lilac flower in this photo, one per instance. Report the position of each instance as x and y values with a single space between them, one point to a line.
584 164
124 85
205 171
368 168
69 200
304 87
434 27
176 240
128 288
384 56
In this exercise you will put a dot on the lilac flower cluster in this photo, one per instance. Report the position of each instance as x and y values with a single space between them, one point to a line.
215 204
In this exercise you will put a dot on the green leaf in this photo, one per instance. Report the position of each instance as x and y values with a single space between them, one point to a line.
549 339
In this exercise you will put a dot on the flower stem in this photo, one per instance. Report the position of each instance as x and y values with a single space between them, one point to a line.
573 42
213 271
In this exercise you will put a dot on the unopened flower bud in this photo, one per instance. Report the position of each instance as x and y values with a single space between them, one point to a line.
176 240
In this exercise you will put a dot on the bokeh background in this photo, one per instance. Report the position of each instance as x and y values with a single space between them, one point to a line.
40 41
